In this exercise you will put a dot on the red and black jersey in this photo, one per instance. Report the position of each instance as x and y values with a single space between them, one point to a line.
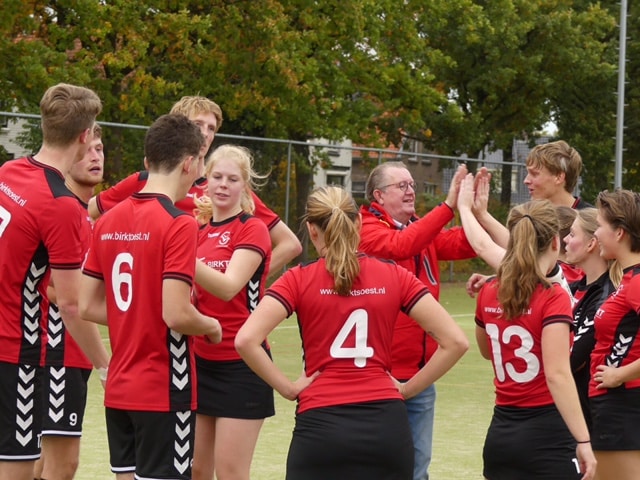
418 248
62 349
122 190
617 322
136 246
516 344
217 241
40 228
347 338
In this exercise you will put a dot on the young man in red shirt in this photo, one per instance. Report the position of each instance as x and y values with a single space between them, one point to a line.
139 275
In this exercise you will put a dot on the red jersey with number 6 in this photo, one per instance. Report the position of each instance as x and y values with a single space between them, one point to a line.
136 246
516 344
40 228
347 338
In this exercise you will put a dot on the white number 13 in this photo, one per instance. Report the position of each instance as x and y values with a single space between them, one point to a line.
358 321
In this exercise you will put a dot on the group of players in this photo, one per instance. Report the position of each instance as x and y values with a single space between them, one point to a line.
374 337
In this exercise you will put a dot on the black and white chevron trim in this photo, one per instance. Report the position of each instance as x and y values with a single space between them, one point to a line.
55 327
56 393
253 294
31 304
25 404
179 360
182 443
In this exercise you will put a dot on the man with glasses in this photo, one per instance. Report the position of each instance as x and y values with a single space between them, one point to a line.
391 230
553 170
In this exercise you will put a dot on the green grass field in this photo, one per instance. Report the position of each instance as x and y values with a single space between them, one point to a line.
463 409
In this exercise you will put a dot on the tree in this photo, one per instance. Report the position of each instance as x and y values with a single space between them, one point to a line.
510 67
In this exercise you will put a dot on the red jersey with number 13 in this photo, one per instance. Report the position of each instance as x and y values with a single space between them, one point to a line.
516 344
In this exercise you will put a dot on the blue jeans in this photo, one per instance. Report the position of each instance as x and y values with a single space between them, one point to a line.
420 410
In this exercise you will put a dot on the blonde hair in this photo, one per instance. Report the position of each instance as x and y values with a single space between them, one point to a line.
532 227
244 160
333 211
190 106
67 111
586 218
558 157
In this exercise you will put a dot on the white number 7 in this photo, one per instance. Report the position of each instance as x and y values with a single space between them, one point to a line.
358 321
5 217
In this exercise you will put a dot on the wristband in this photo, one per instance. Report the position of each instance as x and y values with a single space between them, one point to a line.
102 372
586 441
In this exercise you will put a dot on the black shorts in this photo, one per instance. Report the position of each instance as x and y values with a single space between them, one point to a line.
232 390
365 441
64 400
616 417
151 444
529 443
20 412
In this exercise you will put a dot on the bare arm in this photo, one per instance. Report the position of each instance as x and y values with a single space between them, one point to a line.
452 344
94 213
86 334
498 232
483 345
180 315
478 238
248 342
92 301
555 357
286 247
242 266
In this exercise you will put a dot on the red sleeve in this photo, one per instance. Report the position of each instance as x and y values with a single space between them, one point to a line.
557 307
452 244
269 217
379 239
180 253
255 237
62 226
285 289
122 190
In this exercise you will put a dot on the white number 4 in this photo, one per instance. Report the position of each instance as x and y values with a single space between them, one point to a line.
358 321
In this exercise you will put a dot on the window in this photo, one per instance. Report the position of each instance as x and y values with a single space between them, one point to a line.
335 180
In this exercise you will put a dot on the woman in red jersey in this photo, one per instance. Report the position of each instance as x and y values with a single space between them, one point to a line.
599 279
234 250
524 326
350 420
614 390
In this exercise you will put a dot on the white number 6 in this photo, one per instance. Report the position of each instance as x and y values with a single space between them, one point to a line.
120 278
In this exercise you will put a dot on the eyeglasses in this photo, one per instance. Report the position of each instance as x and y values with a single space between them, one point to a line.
402 185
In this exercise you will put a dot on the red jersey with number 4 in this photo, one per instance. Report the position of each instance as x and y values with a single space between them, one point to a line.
110 197
347 338
516 344
40 228
216 244
617 329
136 246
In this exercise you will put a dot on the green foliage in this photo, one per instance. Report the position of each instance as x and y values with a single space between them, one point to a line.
457 74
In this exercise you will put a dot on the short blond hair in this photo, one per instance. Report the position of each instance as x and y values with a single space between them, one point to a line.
190 106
